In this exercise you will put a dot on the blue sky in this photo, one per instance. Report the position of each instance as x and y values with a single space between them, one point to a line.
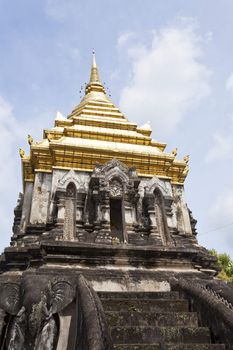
167 62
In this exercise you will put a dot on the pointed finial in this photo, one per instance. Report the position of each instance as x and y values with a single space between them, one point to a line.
95 86
94 78
186 159
59 116
21 153
146 126
174 152
30 140
93 59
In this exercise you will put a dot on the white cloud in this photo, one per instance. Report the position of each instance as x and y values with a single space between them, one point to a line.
124 39
229 83
220 214
221 211
168 78
13 136
222 145
209 36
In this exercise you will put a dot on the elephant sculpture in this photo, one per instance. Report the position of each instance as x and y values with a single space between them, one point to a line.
28 312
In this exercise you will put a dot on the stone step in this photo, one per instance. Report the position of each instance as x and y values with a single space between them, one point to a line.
130 318
138 305
169 347
151 335
196 347
139 295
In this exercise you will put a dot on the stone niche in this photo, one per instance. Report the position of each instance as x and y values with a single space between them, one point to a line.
66 210
112 200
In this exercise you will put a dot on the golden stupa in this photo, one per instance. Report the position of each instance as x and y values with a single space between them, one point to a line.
95 132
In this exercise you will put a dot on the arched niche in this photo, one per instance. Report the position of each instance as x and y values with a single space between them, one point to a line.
70 212
114 188
59 197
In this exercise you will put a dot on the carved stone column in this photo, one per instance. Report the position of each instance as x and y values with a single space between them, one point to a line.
168 201
60 209
52 210
80 203
70 213
97 211
104 235
149 200
130 203
129 217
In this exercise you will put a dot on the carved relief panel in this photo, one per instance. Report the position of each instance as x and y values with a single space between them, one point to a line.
115 189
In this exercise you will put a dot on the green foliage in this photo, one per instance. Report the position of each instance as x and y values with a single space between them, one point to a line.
226 264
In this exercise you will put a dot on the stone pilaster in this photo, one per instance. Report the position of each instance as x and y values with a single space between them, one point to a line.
104 235
149 202
80 204
130 205
60 209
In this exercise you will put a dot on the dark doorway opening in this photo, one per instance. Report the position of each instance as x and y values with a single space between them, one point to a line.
116 218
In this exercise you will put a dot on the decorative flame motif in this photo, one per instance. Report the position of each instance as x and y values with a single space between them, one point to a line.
116 189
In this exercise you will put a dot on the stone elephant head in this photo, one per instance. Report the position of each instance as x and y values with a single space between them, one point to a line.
32 306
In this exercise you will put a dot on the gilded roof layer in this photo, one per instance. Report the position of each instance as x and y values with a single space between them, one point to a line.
97 131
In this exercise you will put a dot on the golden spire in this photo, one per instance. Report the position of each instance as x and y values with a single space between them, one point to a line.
94 83
94 78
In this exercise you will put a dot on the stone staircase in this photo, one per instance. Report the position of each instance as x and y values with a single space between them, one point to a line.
154 320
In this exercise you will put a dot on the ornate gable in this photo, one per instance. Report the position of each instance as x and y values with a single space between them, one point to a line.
69 177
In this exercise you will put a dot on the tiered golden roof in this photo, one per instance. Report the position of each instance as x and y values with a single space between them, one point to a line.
95 132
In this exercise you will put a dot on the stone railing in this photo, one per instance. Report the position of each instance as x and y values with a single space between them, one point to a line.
213 301
217 296
92 333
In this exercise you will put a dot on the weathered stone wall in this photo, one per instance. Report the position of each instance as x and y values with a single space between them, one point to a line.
27 202
41 198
